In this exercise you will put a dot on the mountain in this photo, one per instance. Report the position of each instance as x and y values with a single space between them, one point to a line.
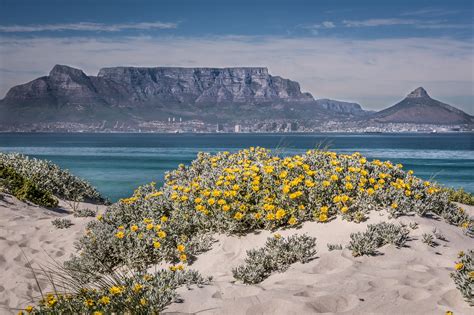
143 94
341 107
419 108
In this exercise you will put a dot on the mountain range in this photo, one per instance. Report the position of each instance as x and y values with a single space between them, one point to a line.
137 94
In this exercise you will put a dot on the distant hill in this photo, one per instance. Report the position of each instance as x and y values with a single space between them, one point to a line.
419 108
143 94
342 107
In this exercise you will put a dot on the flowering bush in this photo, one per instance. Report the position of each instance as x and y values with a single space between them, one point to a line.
51 178
463 275
377 235
277 255
248 190
84 213
137 293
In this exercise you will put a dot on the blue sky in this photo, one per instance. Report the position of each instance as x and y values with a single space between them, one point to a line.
372 52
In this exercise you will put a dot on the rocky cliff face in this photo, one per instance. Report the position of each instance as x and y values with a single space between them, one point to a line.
226 93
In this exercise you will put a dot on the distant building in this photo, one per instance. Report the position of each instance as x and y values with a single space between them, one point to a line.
219 128
237 128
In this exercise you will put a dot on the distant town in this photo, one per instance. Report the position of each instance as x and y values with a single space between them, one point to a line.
180 125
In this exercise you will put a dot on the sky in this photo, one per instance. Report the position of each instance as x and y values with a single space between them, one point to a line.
370 52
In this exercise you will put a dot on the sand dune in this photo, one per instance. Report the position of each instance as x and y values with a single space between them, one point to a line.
26 233
411 280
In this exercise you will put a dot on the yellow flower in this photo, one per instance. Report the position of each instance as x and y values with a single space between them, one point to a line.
211 201
198 200
164 219
226 208
238 216
156 244
119 234
29 308
344 198
292 221
97 313
283 174
334 177
323 217
104 300
137 287
134 228
183 257
270 216
459 266
99 217
277 236
394 205
143 301
221 202
344 209
326 183
149 226
370 191
180 248
449 313
116 290
324 209
161 234
89 302
280 214
336 199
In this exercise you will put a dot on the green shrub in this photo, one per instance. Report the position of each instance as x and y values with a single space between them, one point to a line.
84 213
463 275
50 177
332 247
429 240
376 236
25 190
459 195
276 256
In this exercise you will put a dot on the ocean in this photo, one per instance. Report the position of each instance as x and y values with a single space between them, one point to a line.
117 163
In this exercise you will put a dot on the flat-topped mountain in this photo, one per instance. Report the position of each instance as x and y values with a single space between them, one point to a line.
341 107
131 93
419 108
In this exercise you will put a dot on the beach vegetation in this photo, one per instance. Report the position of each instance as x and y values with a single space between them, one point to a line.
463 275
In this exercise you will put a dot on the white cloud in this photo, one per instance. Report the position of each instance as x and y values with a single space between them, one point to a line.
86 26
379 22
375 73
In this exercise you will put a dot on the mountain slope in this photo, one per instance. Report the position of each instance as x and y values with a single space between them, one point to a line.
137 94
419 108
341 107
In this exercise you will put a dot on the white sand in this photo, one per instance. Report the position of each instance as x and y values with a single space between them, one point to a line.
412 280
26 230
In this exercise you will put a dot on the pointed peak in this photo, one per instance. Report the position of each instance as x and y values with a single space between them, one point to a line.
418 92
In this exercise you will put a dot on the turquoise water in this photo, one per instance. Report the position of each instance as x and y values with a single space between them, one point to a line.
118 163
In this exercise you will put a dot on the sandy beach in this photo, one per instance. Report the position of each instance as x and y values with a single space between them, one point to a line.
410 280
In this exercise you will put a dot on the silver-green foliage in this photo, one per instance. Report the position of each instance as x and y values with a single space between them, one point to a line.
332 247
463 276
50 177
276 256
84 213
376 236
429 240
61 223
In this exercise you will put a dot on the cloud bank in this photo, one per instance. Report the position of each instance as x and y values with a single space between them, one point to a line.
87 27
375 73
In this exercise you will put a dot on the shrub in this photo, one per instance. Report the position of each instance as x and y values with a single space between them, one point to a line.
277 255
459 195
135 293
463 275
50 177
429 240
84 213
376 236
248 190
61 223
24 189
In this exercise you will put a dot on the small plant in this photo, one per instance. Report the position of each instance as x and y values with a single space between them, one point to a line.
376 236
413 225
276 256
332 247
428 239
440 236
84 213
61 223
463 275
118 293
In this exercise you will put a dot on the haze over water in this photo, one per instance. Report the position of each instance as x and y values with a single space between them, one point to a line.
117 163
